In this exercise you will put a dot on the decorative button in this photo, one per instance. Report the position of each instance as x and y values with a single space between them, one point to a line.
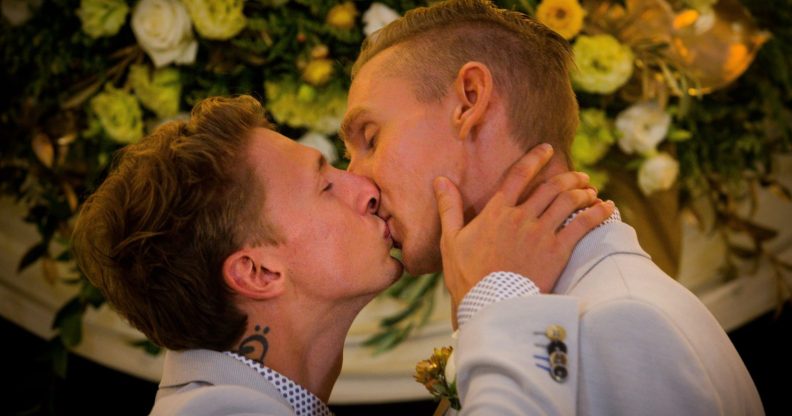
557 352
555 332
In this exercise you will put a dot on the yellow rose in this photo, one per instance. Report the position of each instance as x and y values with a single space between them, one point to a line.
342 16
318 71
563 16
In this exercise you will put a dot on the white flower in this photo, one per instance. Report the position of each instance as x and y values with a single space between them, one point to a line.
377 16
643 126
321 143
164 31
18 12
450 369
658 173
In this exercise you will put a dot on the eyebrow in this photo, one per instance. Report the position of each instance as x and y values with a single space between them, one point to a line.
349 121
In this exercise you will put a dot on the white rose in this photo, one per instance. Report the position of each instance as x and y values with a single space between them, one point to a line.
658 173
18 12
643 126
378 16
163 29
321 143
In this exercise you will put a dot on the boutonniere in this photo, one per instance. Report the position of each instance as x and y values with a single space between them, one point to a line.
438 375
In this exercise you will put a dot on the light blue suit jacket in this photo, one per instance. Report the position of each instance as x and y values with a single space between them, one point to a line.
639 343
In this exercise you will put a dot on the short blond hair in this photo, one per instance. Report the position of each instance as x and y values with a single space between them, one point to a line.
529 62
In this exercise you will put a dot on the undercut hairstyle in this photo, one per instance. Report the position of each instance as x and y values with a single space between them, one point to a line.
529 62
154 236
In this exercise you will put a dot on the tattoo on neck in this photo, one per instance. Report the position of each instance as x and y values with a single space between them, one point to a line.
255 346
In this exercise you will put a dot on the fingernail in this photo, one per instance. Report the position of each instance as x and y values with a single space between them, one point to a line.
609 202
585 176
546 147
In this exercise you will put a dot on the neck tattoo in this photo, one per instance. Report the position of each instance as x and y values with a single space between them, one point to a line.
255 346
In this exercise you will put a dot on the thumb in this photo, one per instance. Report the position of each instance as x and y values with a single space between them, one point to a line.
449 205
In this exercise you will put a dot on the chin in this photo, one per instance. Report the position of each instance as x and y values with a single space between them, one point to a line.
426 261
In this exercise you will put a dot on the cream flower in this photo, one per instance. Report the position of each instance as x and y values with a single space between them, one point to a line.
217 19
378 16
119 114
321 143
642 126
658 173
603 64
102 17
159 91
450 369
563 16
164 31
17 12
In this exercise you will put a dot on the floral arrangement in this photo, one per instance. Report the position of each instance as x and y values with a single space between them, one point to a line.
671 107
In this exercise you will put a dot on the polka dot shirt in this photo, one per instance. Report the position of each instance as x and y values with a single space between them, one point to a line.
302 401
499 286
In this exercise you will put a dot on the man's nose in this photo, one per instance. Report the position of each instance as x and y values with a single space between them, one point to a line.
368 198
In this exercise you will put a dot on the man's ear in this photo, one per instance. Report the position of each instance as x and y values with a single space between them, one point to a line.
473 89
253 273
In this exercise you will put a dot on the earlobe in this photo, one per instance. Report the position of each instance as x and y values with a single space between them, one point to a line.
473 87
248 274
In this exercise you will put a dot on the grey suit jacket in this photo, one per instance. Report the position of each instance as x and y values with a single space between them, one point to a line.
639 343
203 382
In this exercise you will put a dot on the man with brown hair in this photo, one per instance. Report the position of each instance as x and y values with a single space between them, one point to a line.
443 102
247 256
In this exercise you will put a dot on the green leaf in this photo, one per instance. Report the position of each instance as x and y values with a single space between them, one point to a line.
34 253
68 321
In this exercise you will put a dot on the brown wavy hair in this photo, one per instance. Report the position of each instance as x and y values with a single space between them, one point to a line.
155 234
530 63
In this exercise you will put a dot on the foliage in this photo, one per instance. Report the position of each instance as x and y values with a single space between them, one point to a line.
55 150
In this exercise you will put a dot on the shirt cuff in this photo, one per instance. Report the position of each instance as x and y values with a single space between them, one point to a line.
497 286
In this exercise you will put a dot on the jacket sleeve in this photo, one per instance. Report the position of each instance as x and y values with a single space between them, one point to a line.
502 358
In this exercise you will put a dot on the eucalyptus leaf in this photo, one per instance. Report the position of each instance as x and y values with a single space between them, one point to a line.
34 253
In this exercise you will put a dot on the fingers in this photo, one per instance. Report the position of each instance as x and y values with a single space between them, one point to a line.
523 172
566 204
544 195
584 222
449 206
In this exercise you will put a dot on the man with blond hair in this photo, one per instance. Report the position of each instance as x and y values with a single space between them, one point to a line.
443 102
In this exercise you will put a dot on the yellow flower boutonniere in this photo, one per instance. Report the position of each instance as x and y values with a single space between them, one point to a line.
438 375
